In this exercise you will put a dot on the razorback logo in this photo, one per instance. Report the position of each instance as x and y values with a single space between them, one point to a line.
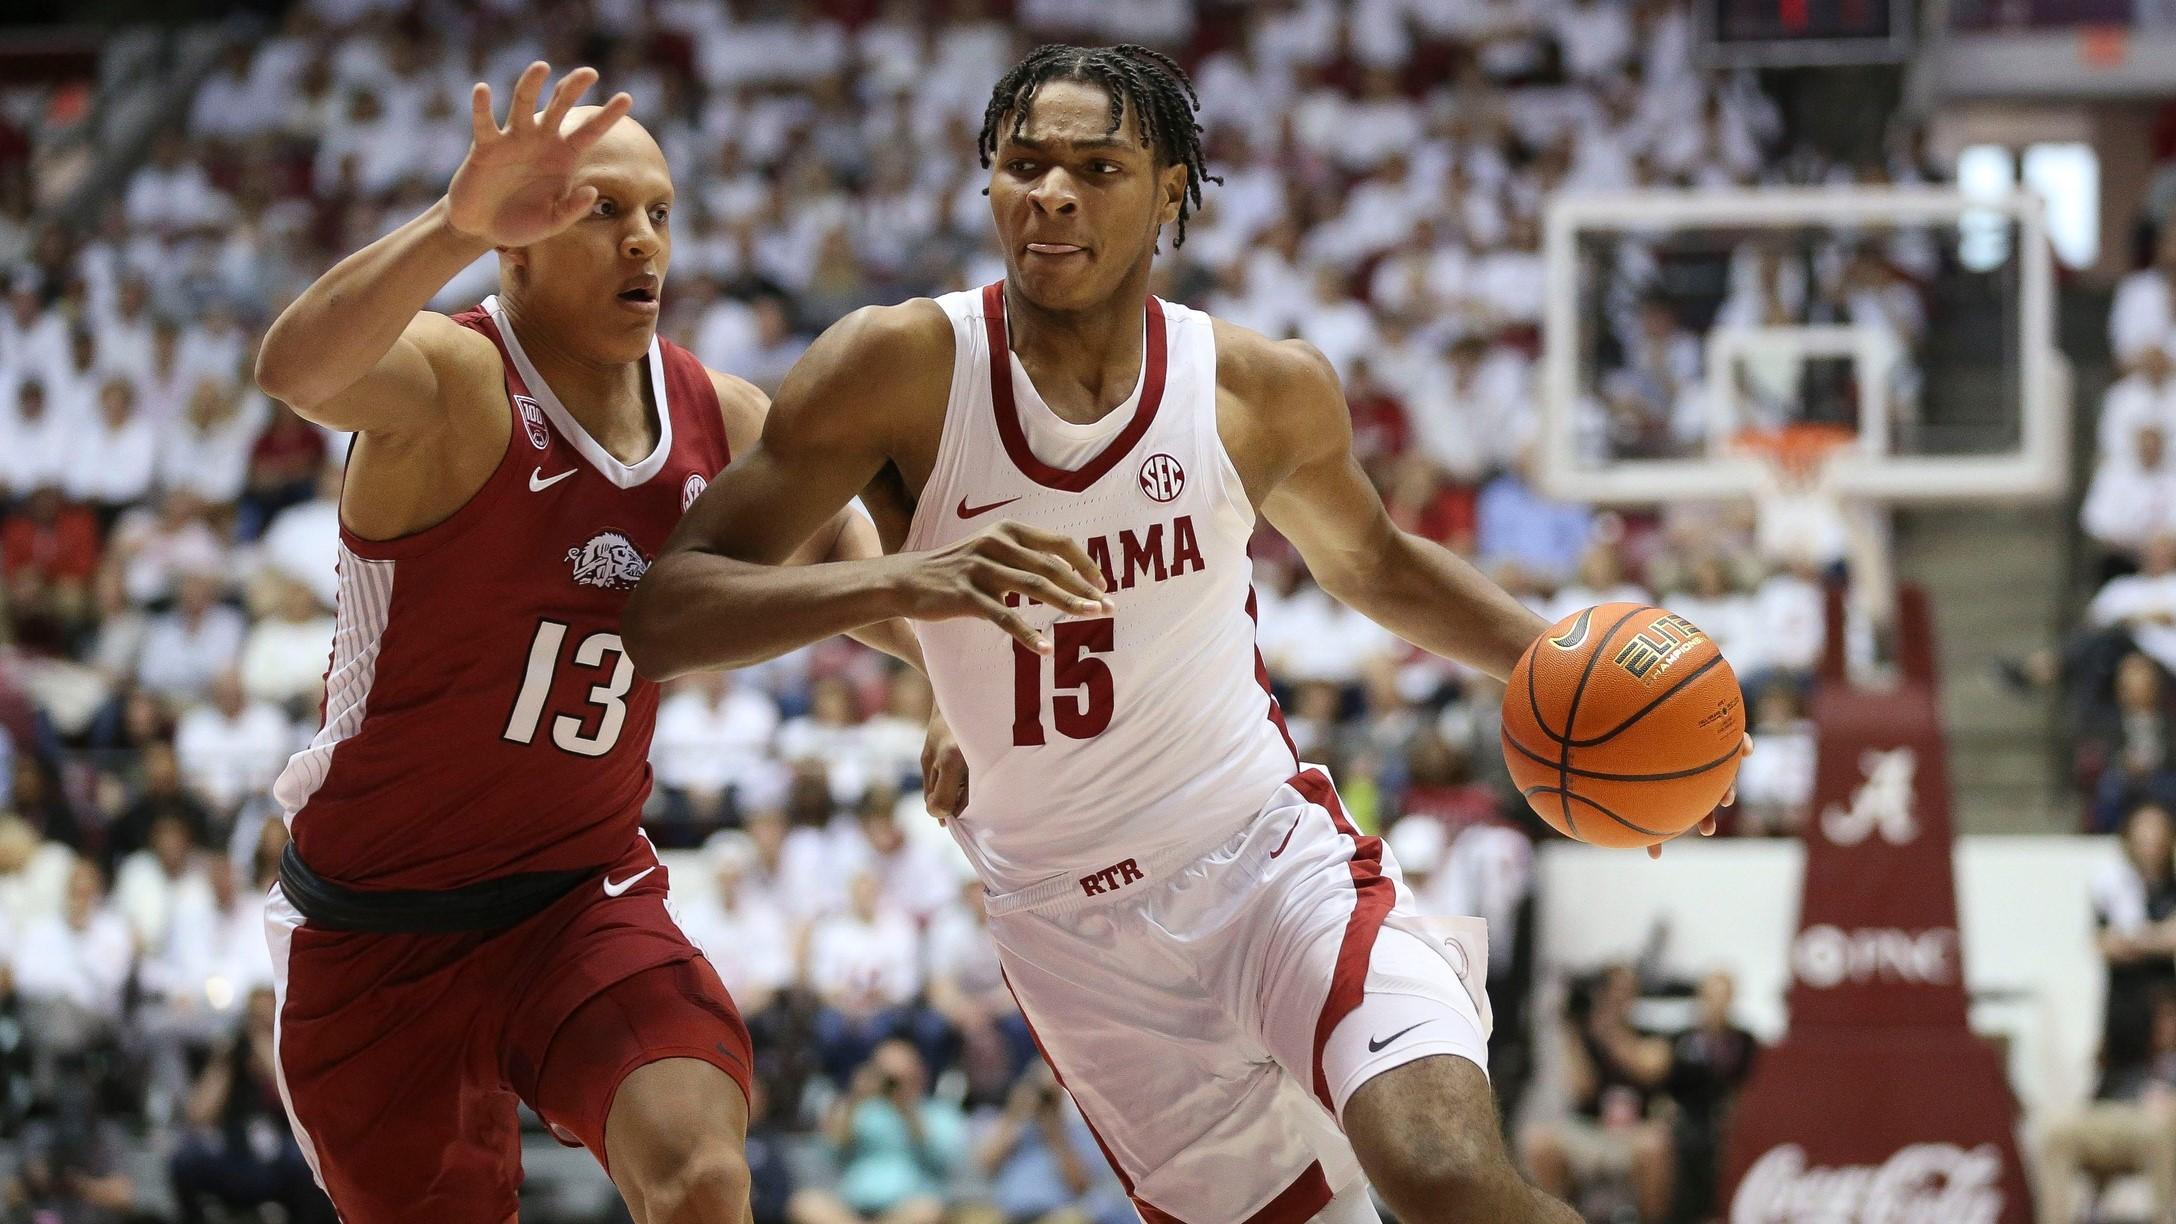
609 560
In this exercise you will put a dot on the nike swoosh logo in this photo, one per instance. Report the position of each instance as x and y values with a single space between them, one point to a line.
1576 634
966 511
538 481
613 888
1288 835
1376 1047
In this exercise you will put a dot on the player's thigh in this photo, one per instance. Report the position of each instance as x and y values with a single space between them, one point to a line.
1196 1119
1353 983
650 1073
401 1115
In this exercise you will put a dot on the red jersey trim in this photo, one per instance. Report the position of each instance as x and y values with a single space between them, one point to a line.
1373 895
493 490
1154 364
1261 677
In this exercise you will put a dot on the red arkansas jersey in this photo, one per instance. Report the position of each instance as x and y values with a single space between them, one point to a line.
481 716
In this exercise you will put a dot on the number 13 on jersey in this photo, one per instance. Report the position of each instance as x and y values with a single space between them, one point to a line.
1081 699
607 698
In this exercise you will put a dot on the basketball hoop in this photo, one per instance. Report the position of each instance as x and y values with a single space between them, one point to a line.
1804 516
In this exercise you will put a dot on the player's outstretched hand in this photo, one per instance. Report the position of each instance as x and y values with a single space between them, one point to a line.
517 184
1707 823
944 771
973 576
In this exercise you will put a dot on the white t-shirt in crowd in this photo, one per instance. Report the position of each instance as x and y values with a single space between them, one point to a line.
2147 605
285 660
705 746
750 944
181 659
88 967
857 964
231 759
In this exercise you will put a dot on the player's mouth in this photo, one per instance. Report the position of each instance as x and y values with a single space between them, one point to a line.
1055 250
640 295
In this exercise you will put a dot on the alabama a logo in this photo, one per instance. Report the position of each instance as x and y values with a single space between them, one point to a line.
532 422
609 560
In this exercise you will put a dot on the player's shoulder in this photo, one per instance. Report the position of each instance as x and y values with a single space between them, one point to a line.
875 360
1271 374
743 405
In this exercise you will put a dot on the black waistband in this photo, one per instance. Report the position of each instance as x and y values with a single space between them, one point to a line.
492 905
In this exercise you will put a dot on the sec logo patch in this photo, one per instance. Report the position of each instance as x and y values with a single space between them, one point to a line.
1162 478
691 489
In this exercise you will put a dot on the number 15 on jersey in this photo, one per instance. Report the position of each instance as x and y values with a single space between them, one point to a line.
1081 697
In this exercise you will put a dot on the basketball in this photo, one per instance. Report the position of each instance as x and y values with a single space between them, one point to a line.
1622 725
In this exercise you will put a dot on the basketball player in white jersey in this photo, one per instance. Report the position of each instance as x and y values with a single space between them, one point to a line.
1228 977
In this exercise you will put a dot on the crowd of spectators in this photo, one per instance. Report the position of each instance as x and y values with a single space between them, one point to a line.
2115 671
167 533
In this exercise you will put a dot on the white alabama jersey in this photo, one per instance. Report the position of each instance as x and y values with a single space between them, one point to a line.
1146 731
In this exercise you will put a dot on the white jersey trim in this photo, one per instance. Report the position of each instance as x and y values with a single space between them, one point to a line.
621 474
364 603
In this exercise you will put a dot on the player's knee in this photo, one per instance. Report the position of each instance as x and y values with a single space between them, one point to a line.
703 1181
1440 1176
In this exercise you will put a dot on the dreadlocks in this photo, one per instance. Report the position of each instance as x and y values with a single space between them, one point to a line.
1157 89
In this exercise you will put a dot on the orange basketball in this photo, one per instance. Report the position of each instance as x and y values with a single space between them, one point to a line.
1622 725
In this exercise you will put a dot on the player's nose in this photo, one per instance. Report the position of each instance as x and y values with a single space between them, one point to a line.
1055 193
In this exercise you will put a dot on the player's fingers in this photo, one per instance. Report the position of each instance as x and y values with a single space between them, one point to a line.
1066 548
1046 590
1655 851
1082 597
1746 749
994 610
482 128
593 128
570 87
1707 827
527 87
573 204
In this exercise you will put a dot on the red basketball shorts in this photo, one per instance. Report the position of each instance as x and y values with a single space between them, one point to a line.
402 1057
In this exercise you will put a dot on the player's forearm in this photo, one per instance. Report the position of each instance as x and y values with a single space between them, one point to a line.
1431 597
350 317
699 611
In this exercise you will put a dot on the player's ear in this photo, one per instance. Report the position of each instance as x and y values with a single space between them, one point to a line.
1174 193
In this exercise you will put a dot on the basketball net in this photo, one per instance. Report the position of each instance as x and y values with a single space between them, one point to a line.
1802 515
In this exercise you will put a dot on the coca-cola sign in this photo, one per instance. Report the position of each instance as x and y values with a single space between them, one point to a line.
1922 1183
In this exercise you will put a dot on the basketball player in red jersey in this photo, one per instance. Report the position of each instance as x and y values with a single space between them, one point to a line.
468 913
1230 978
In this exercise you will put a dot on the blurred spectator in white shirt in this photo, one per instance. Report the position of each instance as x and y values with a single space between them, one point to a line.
206 450
33 340
1792 611
1306 635
713 730
746 937
214 347
284 655
2140 318
2143 604
2133 495
232 747
125 334
152 884
1336 323
303 541
171 192
186 650
120 451
2144 397
33 874
831 734
914 875
1595 36
76 963
1473 414
153 548
164 386
1775 783
238 101
36 446
1712 601
865 967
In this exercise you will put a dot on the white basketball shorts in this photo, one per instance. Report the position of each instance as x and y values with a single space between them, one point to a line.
1212 1016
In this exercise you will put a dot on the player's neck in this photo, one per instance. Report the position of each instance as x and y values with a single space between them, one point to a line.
596 393
1082 362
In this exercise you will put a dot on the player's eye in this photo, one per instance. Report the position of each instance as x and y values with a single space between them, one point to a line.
1020 166
603 208
658 214
1105 167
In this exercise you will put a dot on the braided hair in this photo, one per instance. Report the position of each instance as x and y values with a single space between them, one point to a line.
1155 87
